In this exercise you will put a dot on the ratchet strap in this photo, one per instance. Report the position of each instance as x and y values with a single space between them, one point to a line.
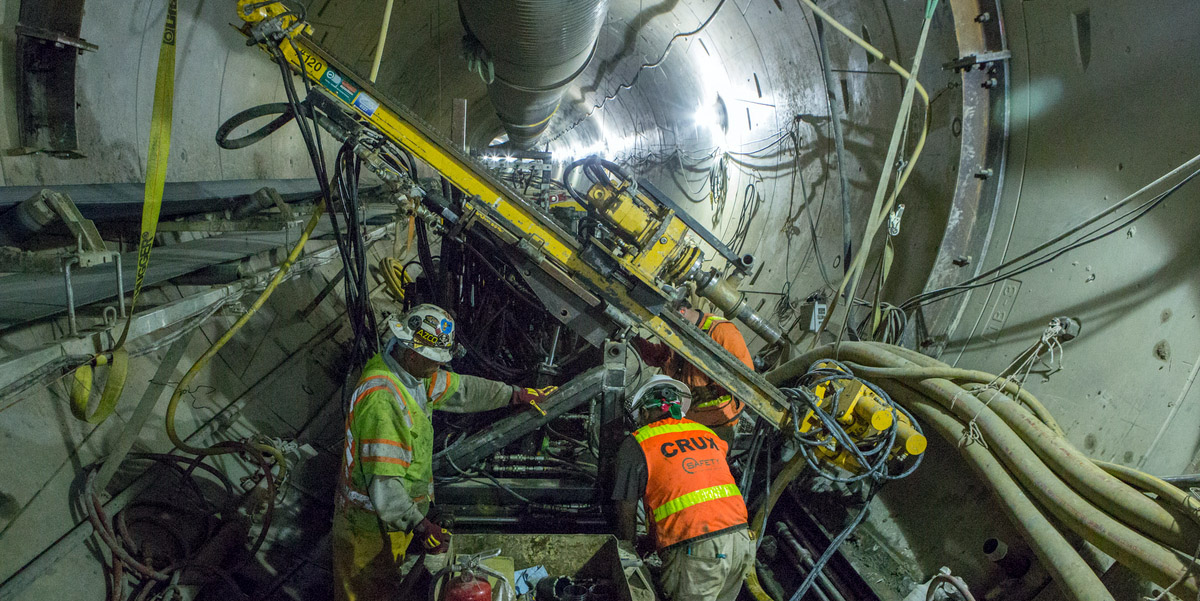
156 177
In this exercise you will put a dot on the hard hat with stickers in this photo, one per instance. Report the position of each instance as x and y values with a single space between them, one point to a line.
428 330
662 392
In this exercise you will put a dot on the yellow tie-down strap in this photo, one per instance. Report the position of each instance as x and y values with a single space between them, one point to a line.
156 177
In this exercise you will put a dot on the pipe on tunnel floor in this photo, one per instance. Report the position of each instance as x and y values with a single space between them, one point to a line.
534 49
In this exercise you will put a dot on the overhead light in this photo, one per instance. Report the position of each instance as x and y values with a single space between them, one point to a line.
714 118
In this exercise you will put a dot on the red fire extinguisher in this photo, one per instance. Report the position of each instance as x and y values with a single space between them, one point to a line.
467 586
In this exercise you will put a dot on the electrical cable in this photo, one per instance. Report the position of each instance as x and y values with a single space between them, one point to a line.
116 535
834 544
1033 261
879 207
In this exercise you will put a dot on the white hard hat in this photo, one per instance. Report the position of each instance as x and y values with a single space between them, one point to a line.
650 395
428 330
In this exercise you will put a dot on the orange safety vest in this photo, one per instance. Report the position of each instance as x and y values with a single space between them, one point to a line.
723 410
689 490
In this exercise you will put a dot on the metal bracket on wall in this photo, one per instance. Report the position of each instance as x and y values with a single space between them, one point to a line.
48 44
982 58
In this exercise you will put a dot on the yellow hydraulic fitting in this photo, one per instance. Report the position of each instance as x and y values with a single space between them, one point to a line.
864 415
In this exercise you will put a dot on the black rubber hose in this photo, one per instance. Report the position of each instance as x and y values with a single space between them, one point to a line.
283 109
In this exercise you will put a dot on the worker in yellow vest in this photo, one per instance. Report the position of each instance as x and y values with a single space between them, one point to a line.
713 405
695 513
386 485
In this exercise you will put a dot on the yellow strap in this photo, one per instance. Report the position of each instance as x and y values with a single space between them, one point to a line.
721 400
682 502
156 177
647 433
81 389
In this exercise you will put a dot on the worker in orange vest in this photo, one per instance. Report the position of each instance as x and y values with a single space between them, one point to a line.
696 514
713 405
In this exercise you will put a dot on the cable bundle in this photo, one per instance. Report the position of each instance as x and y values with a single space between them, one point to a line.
873 453
353 250
1090 230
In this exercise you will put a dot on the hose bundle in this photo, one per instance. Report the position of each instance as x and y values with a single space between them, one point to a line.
1035 472
158 574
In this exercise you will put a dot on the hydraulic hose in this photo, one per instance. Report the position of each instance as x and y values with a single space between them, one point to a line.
1074 576
283 109
1101 488
1147 558
970 375
1167 493
173 405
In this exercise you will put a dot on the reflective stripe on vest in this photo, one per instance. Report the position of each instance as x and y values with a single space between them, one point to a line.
711 493
418 477
721 400
376 384
380 450
711 320
689 489
441 385
644 433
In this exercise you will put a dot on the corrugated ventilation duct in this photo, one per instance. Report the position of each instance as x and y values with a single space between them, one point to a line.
536 49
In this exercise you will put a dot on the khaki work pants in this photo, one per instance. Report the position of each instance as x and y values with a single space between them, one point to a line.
707 570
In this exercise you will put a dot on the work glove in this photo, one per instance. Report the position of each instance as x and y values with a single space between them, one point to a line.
434 539
656 354
522 397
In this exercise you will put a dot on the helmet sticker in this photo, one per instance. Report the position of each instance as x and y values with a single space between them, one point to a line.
425 337
414 322
447 326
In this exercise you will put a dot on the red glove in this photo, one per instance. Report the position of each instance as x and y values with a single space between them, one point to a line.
531 396
434 539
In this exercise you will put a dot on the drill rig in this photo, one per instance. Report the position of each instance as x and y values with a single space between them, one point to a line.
629 268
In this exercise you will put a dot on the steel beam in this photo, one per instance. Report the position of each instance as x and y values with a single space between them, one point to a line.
124 201
465 454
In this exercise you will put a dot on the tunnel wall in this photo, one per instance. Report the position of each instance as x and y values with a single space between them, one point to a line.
275 378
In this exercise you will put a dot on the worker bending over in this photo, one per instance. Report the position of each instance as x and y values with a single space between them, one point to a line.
714 406
696 514
387 477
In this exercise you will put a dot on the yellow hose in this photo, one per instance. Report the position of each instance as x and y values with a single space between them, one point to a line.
753 586
173 405
394 276
970 375
1166 492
